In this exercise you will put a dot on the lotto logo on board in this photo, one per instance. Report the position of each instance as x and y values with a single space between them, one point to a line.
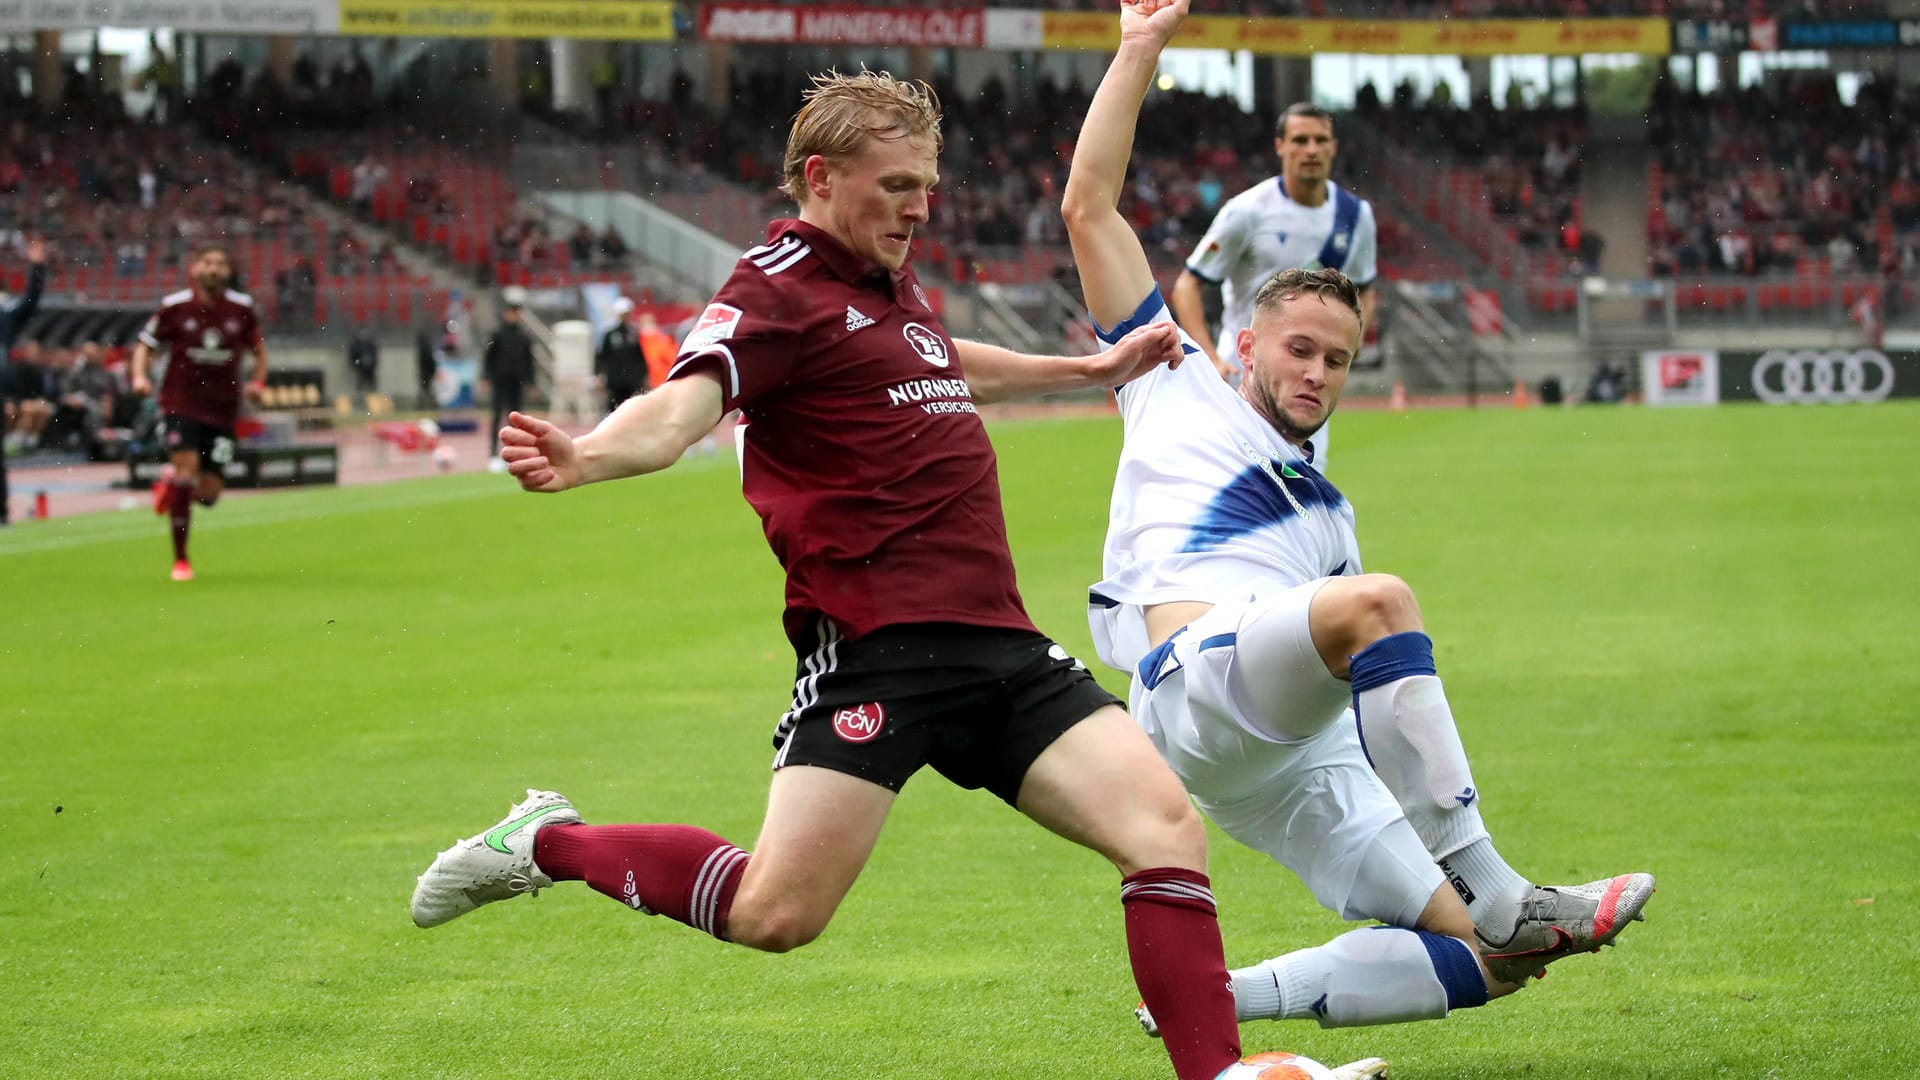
859 723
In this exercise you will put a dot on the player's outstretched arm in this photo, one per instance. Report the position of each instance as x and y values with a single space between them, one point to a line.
645 434
995 374
1113 266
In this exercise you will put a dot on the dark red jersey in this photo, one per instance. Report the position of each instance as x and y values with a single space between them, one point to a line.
205 346
862 451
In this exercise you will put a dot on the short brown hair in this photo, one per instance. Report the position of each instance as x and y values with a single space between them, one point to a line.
1303 109
1322 283
840 112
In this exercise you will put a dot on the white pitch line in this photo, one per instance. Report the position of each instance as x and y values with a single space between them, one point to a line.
308 509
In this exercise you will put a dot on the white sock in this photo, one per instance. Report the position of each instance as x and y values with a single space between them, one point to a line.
1492 890
1409 735
1380 975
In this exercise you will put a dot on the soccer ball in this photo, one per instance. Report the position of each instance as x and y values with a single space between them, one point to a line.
1275 1066
444 457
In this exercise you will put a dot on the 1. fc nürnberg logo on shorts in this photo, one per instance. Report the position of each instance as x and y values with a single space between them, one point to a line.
859 723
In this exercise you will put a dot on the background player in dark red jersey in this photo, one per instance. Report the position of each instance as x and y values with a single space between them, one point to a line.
878 491
205 331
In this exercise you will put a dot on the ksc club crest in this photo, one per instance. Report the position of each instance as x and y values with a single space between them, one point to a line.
859 723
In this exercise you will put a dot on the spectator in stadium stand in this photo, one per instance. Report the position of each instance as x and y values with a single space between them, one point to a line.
206 330
426 364
613 247
1299 219
877 487
14 313
31 390
658 348
506 367
87 396
363 358
1233 593
581 245
618 362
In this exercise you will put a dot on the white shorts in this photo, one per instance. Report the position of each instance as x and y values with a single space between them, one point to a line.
1241 706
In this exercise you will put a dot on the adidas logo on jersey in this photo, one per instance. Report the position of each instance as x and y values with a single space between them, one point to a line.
856 321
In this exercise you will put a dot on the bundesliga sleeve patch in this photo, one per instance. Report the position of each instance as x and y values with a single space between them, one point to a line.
716 325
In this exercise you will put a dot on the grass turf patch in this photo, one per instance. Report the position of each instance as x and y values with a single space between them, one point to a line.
1682 641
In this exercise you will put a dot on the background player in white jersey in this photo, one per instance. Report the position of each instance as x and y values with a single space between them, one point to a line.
1233 591
1298 219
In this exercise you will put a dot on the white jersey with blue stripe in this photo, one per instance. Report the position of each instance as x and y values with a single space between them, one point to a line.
1262 231
1210 503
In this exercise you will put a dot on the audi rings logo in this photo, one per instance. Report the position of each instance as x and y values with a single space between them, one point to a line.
1822 376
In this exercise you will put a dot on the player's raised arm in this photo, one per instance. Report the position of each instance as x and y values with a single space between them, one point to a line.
1113 266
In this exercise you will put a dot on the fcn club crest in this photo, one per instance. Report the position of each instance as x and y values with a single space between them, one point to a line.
859 723
930 346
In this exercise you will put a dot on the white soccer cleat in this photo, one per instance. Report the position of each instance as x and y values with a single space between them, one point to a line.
1145 1018
1560 920
495 865
1364 1069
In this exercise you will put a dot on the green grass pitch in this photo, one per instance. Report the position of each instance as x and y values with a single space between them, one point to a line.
1678 641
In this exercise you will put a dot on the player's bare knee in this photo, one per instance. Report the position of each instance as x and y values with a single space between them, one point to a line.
1166 833
776 928
1349 614
1382 604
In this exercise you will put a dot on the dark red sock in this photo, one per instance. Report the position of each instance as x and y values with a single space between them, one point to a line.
180 512
1173 939
684 873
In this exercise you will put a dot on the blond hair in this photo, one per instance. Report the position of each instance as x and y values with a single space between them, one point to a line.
840 113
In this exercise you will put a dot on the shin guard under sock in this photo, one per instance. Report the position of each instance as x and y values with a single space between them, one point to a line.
685 873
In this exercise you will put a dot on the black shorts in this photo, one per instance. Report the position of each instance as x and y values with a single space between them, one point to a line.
979 704
214 444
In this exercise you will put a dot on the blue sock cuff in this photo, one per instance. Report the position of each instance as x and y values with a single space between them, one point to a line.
1391 659
1457 970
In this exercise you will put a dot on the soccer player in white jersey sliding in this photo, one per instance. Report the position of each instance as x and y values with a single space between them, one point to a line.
1233 591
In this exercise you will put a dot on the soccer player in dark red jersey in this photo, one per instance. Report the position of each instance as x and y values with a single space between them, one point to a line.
206 331
878 491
